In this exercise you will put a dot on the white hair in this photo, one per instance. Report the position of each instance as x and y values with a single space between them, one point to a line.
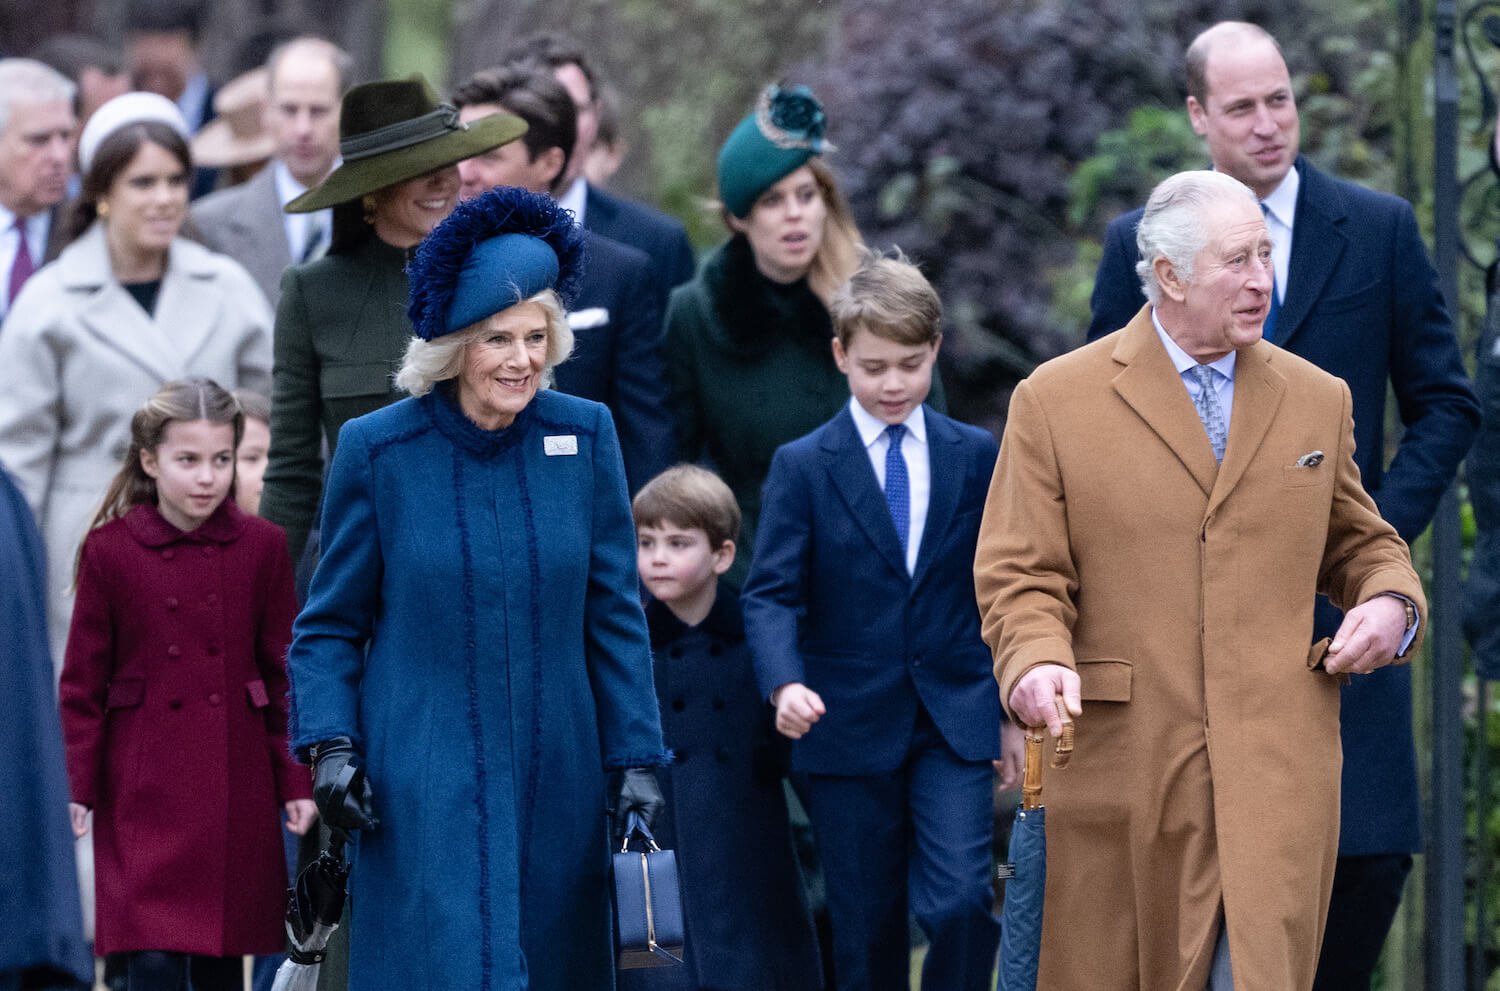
24 80
1172 226
429 362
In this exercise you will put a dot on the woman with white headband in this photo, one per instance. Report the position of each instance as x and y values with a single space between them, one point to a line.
127 306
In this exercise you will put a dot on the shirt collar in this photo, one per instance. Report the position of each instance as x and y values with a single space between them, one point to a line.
871 427
1182 361
576 199
193 101
287 186
1282 203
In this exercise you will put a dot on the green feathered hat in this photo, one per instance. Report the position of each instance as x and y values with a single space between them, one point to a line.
396 130
783 131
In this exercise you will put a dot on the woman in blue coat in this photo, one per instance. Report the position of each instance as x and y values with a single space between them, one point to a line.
473 658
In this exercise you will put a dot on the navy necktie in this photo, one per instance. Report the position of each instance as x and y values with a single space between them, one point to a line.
897 486
1268 330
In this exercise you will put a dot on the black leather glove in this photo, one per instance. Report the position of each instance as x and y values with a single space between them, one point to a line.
340 788
639 793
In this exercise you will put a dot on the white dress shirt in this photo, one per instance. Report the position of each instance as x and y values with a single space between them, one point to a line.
918 467
297 225
1281 212
575 199
1185 363
38 227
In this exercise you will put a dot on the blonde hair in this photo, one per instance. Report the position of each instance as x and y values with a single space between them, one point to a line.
690 497
889 297
179 401
429 362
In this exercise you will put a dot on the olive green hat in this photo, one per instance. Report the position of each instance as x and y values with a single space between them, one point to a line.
778 137
396 130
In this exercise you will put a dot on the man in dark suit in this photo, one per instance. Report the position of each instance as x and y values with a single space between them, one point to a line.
246 222
161 51
1356 294
616 319
616 217
36 160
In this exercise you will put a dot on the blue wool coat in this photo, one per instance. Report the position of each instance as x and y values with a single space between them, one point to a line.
475 627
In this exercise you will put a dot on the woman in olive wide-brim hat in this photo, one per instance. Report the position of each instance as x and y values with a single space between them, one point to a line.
341 326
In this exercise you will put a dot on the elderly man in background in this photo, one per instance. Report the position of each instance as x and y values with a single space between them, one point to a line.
1356 295
307 79
36 161
1167 503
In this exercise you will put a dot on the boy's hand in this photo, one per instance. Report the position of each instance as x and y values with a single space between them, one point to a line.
301 813
797 708
79 815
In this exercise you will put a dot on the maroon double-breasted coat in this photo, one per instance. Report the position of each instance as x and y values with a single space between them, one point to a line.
174 713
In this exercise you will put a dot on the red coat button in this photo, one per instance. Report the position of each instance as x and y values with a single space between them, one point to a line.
171 602
208 552
174 651
215 698
168 554
213 650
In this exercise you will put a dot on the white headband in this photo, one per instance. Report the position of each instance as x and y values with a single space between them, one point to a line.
128 108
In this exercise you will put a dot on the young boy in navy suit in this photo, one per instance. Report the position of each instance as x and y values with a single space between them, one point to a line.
861 618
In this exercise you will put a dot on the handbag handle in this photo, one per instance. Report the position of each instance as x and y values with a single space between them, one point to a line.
636 826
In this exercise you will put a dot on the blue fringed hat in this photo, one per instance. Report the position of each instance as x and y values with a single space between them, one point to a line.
492 252
780 135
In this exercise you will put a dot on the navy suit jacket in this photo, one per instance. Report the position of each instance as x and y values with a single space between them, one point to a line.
639 226
829 602
616 360
1362 302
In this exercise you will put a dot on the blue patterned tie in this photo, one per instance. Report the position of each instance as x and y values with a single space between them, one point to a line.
897 488
1268 329
1209 410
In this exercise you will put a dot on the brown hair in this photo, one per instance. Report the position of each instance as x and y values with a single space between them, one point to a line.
889 297
529 92
254 405
183 400
690 497
114 156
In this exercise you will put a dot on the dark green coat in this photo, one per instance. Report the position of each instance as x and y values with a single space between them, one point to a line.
341 332
750 363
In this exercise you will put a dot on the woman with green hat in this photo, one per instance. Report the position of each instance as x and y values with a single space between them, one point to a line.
749 339
341 325
473 659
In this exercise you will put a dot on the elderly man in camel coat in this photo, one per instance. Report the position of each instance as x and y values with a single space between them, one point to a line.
1166 502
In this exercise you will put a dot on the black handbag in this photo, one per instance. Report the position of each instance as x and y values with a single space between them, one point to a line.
649 928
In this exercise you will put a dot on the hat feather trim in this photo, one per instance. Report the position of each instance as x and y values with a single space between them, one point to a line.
439 259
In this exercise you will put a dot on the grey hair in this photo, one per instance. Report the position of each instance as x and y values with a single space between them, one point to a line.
1172 226
24 80
429 362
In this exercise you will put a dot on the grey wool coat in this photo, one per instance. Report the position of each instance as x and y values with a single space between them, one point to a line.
78 357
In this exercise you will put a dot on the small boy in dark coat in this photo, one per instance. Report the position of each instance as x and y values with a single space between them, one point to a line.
861 615
747 921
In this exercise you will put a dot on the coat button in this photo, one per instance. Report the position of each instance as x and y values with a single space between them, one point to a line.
174 704
679 704
171 602
718 704
168 554
213 650
208 552
212 599
174 651
214 698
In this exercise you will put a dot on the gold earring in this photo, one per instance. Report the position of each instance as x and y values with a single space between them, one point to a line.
102 210
368 202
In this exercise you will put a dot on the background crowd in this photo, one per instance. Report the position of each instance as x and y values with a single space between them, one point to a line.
264 234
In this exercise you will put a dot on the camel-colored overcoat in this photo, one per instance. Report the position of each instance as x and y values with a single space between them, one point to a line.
1206 775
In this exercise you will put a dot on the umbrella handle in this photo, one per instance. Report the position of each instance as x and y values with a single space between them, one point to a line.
1064 752
1031 778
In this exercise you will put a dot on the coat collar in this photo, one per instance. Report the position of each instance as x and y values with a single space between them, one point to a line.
756 315
187 308
723 620
854 478
150 528
1318 242
1151 386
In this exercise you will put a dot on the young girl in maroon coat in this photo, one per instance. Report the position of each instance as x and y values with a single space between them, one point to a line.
174 703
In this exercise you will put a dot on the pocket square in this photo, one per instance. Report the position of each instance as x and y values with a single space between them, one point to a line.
1310 460
594 316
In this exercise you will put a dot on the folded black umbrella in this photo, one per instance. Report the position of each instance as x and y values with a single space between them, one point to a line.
314 906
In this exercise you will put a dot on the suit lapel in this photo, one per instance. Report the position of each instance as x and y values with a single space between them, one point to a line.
944 474
1152 388
1257 394
854 478
1318 243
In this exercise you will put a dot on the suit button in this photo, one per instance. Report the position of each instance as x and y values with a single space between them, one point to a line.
171 602
679 704
722 755
174 651
679 757
718 704
168 554
174 704
916 662
214 698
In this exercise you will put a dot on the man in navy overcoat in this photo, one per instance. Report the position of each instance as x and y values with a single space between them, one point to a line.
1357 295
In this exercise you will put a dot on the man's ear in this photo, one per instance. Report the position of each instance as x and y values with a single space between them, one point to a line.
1197 116
552 161
1167 278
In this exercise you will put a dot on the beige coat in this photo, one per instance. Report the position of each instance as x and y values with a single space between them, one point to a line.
1207 763
78 357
